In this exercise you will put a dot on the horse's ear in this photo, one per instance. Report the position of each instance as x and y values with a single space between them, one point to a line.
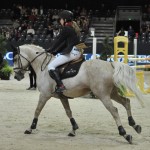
14 49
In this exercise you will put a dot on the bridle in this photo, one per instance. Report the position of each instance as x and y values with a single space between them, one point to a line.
20 66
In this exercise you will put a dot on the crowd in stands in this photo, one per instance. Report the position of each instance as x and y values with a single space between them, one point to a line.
145 32
130 33
146 12
31 25
143 36
145 25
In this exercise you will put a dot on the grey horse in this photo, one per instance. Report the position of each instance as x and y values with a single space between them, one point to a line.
101 77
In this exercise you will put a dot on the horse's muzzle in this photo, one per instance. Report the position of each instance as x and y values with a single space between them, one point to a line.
19 78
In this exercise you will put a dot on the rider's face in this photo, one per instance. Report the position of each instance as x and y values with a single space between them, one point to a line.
62 21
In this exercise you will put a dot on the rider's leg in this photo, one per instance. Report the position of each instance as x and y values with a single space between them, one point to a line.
55 75
61 59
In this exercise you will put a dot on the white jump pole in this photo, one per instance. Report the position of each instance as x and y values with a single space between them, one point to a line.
94 47
94 43
135 50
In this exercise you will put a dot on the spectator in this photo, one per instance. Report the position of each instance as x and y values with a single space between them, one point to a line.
41 11
22 27
30 31
56 31
121 32
34 11
16 24
131 33
32 77
23 12
143 28
50 31
7 35
148 28
32 17
84 24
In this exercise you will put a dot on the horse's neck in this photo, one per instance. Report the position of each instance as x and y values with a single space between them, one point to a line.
39 65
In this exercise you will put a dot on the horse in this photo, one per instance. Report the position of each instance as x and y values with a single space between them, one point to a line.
102 78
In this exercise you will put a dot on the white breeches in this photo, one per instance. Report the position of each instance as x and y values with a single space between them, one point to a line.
62 59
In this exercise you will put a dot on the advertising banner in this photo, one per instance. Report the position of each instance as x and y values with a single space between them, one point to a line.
89 56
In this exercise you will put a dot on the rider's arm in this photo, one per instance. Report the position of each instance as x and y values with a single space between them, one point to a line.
59 42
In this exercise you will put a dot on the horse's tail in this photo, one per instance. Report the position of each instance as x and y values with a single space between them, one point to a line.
126 76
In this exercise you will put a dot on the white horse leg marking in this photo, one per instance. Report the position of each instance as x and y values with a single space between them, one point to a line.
41 103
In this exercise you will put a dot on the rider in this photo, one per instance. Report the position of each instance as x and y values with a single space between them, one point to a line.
65 45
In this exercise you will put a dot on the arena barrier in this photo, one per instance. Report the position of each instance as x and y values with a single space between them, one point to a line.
141 66
124 50
136 59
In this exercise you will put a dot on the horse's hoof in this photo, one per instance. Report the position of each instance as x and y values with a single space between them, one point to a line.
28 132
138 129
72 133
128 138
76 127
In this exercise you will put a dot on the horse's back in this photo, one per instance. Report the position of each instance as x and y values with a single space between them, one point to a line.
98 66
96 71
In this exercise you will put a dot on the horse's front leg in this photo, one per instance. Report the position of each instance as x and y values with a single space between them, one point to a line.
69 114
41 103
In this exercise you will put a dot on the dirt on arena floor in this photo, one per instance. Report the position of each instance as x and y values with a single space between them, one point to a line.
97 129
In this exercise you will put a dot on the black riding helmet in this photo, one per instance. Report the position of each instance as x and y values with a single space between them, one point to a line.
66 15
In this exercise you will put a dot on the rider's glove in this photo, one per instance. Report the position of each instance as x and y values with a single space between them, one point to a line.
54 53
47 50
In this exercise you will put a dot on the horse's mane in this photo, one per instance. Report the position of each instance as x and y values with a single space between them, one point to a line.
42 57
35 47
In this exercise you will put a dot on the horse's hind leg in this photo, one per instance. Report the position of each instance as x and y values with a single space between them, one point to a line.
126 103
69 114
114 112
41 104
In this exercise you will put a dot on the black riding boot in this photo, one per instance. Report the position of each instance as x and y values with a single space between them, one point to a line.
55 75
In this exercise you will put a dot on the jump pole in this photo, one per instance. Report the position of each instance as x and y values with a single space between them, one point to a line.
94 47
94 43
135 50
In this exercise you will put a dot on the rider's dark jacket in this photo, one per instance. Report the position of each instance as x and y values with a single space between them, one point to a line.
65 41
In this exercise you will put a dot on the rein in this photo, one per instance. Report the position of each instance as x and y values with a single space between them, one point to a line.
30 62
45 60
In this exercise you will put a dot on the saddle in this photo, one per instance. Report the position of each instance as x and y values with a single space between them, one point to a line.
70 69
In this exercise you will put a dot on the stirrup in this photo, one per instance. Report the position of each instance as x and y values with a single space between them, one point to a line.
60 89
